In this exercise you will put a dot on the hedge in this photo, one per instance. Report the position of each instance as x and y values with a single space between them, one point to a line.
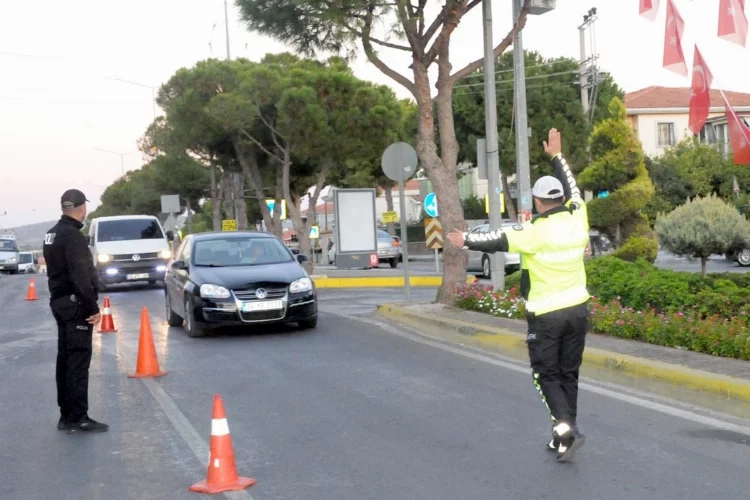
725 337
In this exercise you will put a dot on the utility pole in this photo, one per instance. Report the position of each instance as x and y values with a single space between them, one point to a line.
226 26
523 173
584 70
497 260
588 64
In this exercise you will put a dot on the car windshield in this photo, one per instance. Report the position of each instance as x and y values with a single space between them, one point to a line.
7 246
128 230
228 252
25 258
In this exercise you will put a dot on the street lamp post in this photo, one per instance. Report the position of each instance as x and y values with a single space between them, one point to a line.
153 91
121 155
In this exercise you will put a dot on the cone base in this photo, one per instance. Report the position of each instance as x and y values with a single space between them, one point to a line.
147 375
240 484
30 299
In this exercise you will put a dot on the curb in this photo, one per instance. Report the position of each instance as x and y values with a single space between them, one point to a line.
502 341
322 281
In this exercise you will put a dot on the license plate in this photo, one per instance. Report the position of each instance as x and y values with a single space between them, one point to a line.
266 305
137 276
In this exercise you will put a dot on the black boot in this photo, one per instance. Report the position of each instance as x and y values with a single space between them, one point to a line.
87 424
570 441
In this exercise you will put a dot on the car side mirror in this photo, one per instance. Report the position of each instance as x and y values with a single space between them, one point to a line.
302 258
90 240
179 264
36 262
170 236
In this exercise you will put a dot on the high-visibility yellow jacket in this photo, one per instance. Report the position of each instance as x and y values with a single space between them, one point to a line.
552 247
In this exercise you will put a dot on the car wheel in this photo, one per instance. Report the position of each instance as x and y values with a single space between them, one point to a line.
172 318
743 258
308 324
486 270
193 329
394 263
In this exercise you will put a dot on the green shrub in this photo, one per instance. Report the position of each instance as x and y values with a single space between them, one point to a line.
638 247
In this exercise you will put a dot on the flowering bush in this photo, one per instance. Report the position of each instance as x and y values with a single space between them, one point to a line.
726 337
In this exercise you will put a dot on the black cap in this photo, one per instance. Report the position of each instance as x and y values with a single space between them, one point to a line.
72 198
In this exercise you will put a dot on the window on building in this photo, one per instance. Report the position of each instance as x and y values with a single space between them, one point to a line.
665 134
708 134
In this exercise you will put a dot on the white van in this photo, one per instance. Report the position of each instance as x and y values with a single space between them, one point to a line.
8 254
27 262
129 248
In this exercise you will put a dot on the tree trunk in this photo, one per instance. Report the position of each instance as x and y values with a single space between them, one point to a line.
388 190
239 195
251 170
509 205
215 202
704 262
441 169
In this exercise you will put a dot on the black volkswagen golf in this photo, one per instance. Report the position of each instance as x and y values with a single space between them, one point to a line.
237 278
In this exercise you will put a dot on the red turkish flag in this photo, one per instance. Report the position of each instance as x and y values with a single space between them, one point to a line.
739 136
700 97
733 22
649 9
674 59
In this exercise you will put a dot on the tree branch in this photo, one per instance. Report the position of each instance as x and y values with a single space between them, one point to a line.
451 19
434 26
260 145
377 62
500 48
378 42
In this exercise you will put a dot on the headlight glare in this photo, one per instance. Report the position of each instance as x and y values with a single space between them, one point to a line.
214 292
301 285
103 258
165 254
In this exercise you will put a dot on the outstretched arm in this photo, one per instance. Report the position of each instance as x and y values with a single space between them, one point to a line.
553 147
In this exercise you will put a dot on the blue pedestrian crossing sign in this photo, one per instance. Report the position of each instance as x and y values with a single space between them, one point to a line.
430 205
315 232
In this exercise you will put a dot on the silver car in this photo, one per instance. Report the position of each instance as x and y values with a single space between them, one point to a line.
480 262
389 249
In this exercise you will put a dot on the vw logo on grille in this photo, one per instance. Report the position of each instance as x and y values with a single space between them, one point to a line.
261 293
136 258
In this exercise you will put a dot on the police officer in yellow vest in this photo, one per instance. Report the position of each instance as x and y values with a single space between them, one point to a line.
553 283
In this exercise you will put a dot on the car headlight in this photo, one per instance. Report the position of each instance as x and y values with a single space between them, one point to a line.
103 258
301 285
214 292
165 254
12 260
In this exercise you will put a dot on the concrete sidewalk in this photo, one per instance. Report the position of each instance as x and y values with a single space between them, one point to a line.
698 379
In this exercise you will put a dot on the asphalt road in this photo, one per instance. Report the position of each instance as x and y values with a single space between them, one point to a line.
356 409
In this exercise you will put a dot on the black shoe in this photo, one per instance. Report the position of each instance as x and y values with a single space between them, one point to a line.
570 441
87 424
62 424
553 445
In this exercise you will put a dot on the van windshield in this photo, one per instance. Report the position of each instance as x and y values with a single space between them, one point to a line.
24 258
128 230
8 246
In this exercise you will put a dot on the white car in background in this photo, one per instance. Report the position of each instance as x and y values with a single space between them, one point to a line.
480 262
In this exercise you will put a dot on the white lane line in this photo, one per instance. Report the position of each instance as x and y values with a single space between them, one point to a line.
643 403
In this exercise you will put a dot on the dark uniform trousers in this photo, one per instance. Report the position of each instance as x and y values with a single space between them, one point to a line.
556 341
73 358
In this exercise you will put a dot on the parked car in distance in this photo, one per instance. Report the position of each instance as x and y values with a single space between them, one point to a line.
238 278
27 263
389 249
480 262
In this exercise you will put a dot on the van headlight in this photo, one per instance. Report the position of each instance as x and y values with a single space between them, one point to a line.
301 285
12 260
103 258
165 254
214 292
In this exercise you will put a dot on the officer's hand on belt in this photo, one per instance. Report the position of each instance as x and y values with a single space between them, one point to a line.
456 237
95 319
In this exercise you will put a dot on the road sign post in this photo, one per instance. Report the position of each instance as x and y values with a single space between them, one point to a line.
433 232
399 162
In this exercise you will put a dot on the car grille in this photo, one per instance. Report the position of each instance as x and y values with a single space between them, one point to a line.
249 294
129 256
263 315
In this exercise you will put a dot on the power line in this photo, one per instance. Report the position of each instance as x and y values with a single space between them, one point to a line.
571 72
528 87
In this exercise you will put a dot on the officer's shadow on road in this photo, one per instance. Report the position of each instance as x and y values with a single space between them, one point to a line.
718 435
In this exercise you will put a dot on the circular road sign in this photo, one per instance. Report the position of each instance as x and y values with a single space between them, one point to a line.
399 161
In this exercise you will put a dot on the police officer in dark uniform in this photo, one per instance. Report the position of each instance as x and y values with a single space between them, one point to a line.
73 286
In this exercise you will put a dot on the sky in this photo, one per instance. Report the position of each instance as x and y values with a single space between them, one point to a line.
60 98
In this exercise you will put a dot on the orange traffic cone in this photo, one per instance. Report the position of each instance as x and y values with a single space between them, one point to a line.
31 294
148 364
222 471
108 324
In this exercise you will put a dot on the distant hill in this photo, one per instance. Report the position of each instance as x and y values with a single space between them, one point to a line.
30 237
